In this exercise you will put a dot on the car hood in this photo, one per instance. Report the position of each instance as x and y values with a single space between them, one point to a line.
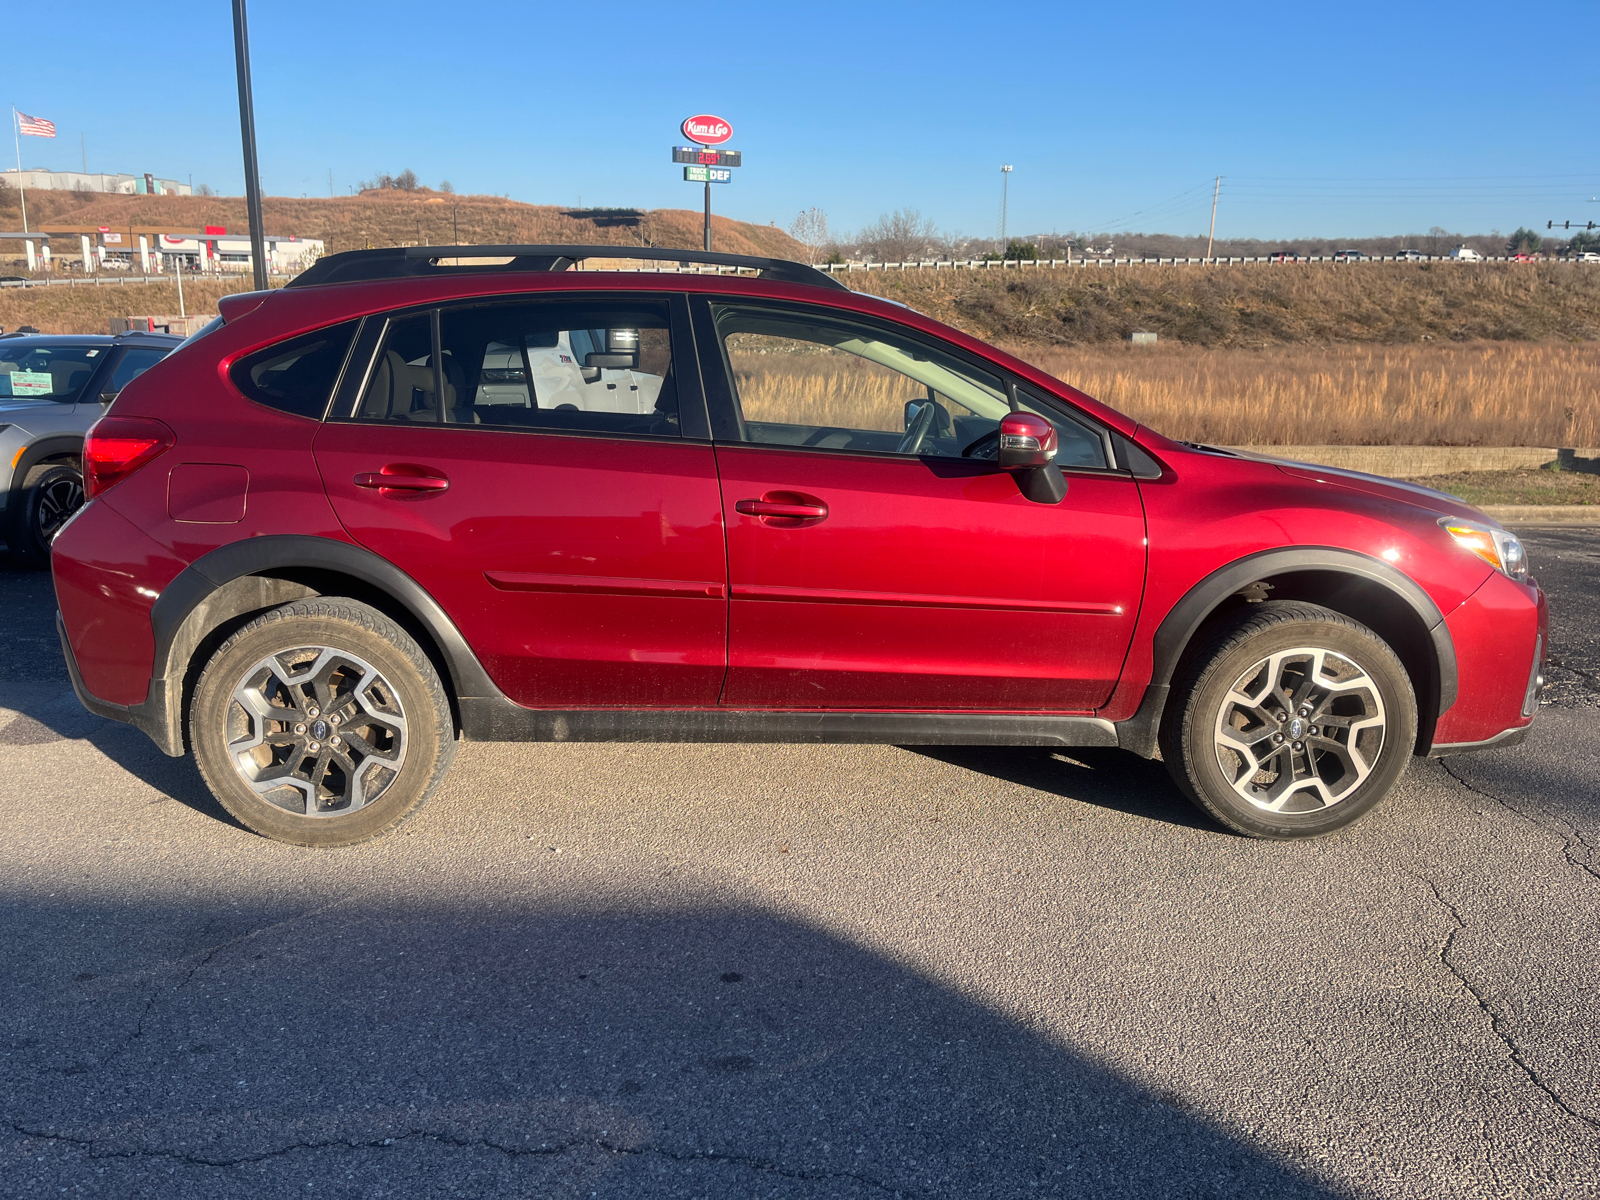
10 406
1394 490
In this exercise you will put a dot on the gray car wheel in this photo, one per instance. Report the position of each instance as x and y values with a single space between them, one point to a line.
1292 722
321 723
48 500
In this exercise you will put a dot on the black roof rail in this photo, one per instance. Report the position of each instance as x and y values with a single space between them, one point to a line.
408 262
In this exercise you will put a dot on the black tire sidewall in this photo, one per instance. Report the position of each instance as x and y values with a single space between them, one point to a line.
429 727
1210 787
22 529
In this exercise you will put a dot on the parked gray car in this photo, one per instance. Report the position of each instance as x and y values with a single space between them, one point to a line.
52 388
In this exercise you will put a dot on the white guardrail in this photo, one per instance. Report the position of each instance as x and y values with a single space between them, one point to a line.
108 280
980 264
970 264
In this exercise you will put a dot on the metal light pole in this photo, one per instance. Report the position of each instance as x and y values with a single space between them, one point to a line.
1212 236
247 126
1005 185
708 213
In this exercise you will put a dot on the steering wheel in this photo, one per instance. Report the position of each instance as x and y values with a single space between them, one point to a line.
917 431
988 446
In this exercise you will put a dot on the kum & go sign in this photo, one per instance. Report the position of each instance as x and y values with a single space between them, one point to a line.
707 130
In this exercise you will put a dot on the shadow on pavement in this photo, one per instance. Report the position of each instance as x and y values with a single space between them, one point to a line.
1112 779
219 1049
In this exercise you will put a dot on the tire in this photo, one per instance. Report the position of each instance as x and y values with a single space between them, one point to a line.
1322 672
39 510
327 666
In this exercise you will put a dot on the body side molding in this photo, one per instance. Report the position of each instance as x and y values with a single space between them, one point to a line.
503 721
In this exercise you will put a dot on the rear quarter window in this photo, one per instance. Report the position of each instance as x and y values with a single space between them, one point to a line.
298 375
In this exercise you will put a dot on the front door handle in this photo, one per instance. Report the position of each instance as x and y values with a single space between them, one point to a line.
402 479
790 505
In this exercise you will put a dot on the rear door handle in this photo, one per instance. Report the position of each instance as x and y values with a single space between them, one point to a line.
400 478
795 508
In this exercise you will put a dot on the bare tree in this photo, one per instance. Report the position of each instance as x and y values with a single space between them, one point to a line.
447 188
810 229
901 236
1437 236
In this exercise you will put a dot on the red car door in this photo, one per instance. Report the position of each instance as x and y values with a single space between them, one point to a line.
578 549
873 564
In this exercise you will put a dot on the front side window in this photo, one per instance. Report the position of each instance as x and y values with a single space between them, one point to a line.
296 376
831 383
587 366
32 370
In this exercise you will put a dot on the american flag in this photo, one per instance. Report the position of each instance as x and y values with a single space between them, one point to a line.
35 126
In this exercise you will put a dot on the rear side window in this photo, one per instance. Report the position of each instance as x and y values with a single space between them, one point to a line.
297 376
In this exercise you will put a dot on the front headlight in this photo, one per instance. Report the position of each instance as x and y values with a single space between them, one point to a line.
1497 547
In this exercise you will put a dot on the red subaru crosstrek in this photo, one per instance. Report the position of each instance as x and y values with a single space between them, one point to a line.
424 494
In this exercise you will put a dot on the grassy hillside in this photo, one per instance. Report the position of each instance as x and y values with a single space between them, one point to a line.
1257 306
392 218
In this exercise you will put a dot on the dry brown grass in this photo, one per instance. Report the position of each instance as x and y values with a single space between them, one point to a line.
1257 306
1481 394
1478 394
392 218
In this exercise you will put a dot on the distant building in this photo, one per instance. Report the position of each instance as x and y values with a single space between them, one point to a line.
80 181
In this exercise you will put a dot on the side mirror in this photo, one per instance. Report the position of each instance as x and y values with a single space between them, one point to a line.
107 397
1028 445
1027 440
621 353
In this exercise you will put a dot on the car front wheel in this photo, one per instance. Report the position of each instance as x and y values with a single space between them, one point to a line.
39 510
321 723
1292 722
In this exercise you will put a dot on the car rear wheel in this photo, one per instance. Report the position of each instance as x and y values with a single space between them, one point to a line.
1293 722
46 502
321 723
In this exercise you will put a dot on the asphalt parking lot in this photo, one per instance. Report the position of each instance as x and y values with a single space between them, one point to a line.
799 972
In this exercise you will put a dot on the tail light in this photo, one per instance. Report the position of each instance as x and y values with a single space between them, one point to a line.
116 447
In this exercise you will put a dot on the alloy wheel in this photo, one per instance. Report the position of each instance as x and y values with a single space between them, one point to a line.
58 499
1300 730
316 731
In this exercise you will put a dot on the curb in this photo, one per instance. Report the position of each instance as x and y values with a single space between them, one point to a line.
1544 514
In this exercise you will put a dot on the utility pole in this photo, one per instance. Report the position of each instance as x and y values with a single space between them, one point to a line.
247 127
1212 236
1005 185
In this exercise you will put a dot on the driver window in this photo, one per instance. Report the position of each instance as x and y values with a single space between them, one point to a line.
815 381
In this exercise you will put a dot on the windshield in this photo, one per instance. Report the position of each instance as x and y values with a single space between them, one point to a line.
30 370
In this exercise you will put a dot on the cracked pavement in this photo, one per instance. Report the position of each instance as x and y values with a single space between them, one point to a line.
791 971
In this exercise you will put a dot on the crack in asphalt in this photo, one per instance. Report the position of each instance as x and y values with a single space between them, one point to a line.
1497 1023
156 993
753 1162
1568 833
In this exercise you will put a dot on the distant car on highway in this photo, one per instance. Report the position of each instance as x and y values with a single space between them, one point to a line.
1588 256
1284 256
1409 255
1465 254
1522 257
1349 256
52 388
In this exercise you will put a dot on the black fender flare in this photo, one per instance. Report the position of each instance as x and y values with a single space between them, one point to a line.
197 583
46 447
1178 627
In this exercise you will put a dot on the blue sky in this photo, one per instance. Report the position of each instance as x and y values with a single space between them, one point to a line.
1348 119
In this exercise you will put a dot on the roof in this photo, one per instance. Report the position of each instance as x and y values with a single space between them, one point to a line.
99 339
406 262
